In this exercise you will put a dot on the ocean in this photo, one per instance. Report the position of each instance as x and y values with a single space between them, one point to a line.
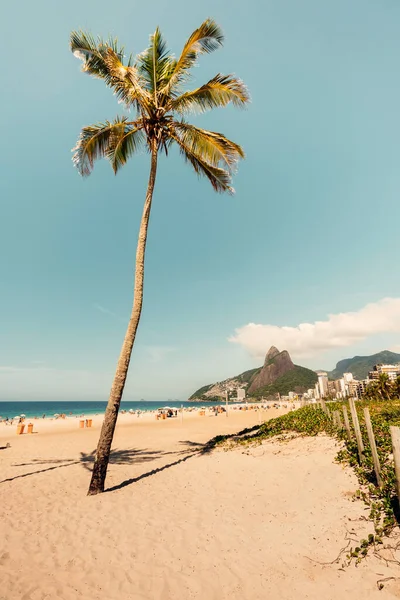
37 409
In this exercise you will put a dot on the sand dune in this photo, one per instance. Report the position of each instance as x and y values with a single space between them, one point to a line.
178 523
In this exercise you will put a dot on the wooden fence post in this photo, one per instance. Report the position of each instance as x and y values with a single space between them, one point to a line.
323 405
395 433
375 457
357 430
346 422
337 420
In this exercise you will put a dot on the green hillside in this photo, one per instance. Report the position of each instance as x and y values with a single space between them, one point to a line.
198 393
360 365
298 380
247 376
243 378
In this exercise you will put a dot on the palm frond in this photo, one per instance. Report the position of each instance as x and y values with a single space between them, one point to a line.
93 53
128 84
156 63
152 84
218 92
103 59
213 147
220 179
124 145
99 141
205 39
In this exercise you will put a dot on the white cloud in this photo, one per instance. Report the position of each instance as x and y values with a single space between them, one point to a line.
309 339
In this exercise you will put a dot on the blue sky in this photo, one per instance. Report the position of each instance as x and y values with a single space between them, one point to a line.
312 230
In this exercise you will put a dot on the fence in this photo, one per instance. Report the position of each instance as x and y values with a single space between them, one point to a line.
353 430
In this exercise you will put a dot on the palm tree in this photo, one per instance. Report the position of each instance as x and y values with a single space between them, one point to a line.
152 85
396 387
384 386
371 391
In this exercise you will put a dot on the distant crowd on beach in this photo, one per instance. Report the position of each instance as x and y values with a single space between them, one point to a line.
162 413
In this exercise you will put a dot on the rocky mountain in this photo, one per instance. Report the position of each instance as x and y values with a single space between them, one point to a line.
276 364
278 374
299 379
360 365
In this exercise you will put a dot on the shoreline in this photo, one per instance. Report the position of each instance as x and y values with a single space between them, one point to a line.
254 413
49 410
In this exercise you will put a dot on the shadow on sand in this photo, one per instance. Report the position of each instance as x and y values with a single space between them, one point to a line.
119 457
128 456
191 450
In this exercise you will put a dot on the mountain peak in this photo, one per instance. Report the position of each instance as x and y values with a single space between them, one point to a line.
272 352
278 374
276 364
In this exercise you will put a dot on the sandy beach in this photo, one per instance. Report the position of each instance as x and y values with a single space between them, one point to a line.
252 523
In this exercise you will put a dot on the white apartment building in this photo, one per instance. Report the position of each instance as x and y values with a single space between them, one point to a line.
323 384
392 371
343 387
241 394
348 377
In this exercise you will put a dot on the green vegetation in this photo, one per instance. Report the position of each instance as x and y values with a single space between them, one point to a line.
200 392
310 421
382 400
298 379
248 376
245 377
307 421
360 365
383 389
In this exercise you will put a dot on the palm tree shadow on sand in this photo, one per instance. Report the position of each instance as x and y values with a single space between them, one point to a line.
190 450
129 456
120 457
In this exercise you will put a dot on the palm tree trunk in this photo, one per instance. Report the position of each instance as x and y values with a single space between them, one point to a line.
114 401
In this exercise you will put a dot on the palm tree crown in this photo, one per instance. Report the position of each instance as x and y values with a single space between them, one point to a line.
153 85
